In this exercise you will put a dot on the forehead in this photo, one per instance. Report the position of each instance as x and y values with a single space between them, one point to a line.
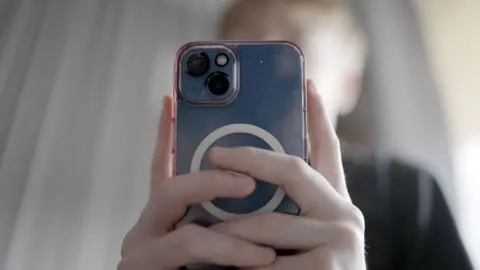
318 30
301 22
321 46
284 18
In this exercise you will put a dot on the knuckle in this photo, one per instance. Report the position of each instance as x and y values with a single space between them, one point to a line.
131 240
226 248
349 235
352 215
218 182
327 259
212 176
249 150
165 196
219 177
162 190
267 220
335 142
298 165
323 258
126 243
189 231
198 245
123 265
189 242
357 217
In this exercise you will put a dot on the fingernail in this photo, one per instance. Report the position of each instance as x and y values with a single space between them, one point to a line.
166 100
163 107
218 152
167 116
247 183
312 87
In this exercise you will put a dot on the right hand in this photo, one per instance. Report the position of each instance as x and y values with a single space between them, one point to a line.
152 244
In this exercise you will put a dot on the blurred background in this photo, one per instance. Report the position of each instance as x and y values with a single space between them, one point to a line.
81 85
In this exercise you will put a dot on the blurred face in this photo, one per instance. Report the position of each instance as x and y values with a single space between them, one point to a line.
326 65
324 49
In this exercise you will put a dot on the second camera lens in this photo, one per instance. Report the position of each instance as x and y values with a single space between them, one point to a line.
198 64
218 84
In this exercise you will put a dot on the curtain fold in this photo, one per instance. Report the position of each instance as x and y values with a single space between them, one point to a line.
20 27
82 85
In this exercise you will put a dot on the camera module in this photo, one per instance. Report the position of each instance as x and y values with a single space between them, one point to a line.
198 64
221 60
218 84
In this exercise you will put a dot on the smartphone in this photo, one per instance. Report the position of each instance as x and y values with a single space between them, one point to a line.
234 94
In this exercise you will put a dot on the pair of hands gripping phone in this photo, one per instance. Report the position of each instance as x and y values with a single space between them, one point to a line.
328 234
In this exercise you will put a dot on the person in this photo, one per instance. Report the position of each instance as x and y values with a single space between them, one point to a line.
407 223
328 233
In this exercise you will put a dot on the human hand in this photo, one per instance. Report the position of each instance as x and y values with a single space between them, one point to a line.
329 233
152 244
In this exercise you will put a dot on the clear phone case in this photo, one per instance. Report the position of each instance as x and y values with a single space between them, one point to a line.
266 109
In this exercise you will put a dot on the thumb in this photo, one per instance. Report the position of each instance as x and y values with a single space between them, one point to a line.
162 165
325 156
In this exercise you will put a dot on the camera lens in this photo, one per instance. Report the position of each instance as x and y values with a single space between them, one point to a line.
198 64
221 60
218 84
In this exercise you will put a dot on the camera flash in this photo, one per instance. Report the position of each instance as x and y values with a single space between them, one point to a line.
221 60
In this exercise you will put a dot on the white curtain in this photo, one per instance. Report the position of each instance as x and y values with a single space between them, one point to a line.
81 85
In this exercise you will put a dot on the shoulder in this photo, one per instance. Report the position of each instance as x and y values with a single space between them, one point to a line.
370 183
408 220
384 174
405 193
362 168
388 194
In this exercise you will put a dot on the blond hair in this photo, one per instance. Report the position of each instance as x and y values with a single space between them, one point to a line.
296 21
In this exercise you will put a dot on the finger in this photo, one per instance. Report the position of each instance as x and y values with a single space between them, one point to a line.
162 159
194 244
323 257
307 261
325 156
300 182
289 232
174 195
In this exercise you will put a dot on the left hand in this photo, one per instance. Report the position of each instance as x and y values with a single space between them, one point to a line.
329 233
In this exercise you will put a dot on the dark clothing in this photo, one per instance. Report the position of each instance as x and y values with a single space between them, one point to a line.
408 223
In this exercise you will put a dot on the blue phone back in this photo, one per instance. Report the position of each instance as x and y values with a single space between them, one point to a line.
270 99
